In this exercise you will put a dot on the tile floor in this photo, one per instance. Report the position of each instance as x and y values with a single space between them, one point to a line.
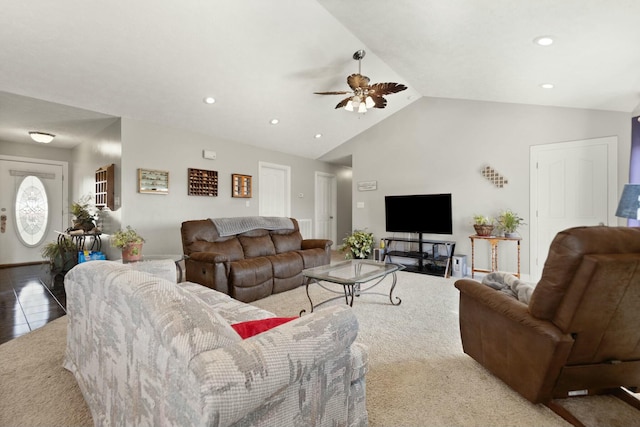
29 298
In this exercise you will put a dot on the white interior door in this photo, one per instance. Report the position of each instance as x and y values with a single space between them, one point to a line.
25 229
572 184
274 190
326 201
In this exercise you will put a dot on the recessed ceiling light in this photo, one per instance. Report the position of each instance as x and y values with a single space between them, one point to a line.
317 136
274 121
543 41
209 100
547 85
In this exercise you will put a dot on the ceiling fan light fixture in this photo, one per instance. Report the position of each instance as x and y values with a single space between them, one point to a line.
369 102
349 106
360 97
41 137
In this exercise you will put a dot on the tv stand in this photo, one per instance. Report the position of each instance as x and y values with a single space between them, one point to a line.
436 261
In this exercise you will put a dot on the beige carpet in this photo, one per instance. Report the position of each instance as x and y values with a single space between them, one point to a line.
418 374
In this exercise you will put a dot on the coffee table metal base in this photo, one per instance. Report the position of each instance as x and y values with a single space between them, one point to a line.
351 290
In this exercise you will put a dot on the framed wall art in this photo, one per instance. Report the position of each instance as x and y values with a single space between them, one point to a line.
153 181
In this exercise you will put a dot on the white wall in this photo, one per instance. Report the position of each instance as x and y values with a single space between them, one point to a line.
158 217
103 150
35 151
439 145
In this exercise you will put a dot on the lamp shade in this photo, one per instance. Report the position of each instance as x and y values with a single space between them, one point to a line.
629 205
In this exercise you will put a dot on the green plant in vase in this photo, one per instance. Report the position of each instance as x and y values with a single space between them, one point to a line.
358 244
130 242
83 218
509 222
62 255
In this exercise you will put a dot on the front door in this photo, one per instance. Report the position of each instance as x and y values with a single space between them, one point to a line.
32 197
572 184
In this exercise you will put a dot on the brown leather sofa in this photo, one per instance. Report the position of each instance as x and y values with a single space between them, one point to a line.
250 265
579 334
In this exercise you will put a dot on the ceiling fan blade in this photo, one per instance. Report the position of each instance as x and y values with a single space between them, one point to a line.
332 93
379 101
342 103
380 89
357 80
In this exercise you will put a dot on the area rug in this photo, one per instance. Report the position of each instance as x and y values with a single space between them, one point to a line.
418 374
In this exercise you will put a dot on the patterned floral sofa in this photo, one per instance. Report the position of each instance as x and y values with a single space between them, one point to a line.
147 351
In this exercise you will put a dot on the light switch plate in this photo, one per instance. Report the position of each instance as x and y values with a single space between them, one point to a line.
208 154
360 205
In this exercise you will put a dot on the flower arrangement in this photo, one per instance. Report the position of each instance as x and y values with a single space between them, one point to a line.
122 238
482 220
483 225
358 244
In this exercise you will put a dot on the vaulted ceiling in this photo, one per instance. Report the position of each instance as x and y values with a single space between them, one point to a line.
262 59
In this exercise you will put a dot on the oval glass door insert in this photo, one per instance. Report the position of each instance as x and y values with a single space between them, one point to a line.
32 211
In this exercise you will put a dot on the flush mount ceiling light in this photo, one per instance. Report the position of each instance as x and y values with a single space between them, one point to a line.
317 136
543 41
274 121
547 85
42 137
209 100
363 95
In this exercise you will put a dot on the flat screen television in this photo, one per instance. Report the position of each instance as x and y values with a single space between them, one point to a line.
419 213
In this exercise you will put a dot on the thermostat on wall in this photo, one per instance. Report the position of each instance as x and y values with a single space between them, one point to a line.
208 154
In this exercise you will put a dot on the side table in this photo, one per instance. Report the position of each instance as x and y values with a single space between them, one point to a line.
493 241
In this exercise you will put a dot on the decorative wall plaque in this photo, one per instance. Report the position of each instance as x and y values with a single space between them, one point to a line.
494 177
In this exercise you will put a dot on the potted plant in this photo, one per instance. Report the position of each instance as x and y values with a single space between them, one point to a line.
83 219
358 244
483 225
509 222
62 255
130 242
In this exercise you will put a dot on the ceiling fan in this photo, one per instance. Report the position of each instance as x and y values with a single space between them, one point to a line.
362 94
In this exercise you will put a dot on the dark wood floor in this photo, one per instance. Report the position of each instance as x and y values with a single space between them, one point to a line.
29 298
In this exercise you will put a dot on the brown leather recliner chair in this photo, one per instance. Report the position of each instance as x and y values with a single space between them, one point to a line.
580 333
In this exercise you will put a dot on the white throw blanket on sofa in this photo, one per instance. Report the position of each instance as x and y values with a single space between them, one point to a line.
510 285
237 225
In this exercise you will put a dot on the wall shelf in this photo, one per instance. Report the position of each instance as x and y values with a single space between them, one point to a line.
240 185
203 182
105 178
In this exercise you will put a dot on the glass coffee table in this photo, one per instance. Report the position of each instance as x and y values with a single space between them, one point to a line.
352 275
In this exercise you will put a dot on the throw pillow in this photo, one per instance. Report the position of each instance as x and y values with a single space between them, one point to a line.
255 327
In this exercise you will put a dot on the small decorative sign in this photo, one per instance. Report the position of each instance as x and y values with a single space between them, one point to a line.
367 185
494 177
